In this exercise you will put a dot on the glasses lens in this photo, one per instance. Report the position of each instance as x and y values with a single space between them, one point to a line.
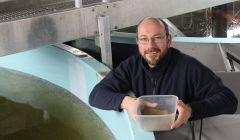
155 39
143 40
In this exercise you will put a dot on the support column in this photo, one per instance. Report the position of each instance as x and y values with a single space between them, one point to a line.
78 3
105 40
219 21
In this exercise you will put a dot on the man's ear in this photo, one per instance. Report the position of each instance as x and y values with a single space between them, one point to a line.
169 41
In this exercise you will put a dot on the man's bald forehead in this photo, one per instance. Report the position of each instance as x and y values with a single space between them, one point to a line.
150 18
160 21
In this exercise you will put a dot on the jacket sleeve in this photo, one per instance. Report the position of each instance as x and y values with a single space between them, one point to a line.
110 91
210 97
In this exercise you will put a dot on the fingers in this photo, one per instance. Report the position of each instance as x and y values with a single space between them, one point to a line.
183 115
180 119
133 106
150 104
130 104
180 103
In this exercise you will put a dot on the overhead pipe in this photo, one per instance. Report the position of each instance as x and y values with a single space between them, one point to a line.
78 3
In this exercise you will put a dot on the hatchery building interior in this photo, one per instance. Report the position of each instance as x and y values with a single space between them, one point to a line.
57 55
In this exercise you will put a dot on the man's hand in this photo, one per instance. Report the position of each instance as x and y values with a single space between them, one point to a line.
185 112
132 105
129 103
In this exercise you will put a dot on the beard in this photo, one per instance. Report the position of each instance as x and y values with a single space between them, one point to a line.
153 55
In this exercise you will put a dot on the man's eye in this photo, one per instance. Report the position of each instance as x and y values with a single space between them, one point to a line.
144 39
158 37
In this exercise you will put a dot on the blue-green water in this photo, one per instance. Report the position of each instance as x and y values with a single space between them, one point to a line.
71 118
52 130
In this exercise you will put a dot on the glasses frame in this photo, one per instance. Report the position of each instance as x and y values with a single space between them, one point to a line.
156 39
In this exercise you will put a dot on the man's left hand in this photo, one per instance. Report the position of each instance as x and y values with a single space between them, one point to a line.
185 112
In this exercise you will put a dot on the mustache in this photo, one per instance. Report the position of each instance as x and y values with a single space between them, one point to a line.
152 50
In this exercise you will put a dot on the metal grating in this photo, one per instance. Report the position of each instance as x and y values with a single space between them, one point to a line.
35 11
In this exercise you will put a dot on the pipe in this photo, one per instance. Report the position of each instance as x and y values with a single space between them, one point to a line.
78 3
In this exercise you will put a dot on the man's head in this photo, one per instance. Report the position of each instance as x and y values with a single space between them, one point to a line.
153 40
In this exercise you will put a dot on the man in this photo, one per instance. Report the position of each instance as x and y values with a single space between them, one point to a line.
160 69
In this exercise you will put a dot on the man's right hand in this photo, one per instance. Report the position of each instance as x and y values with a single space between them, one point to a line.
129 103
132 104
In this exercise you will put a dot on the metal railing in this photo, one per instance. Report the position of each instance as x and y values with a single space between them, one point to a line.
232 58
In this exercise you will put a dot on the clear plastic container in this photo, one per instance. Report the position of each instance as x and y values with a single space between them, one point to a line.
158 118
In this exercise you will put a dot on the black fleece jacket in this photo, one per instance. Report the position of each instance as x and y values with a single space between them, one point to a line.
177 74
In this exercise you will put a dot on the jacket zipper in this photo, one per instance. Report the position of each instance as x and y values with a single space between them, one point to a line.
154 81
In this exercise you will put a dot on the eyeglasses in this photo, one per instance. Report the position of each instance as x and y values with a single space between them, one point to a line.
155 39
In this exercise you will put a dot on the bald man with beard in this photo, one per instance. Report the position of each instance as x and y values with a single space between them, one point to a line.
160 69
